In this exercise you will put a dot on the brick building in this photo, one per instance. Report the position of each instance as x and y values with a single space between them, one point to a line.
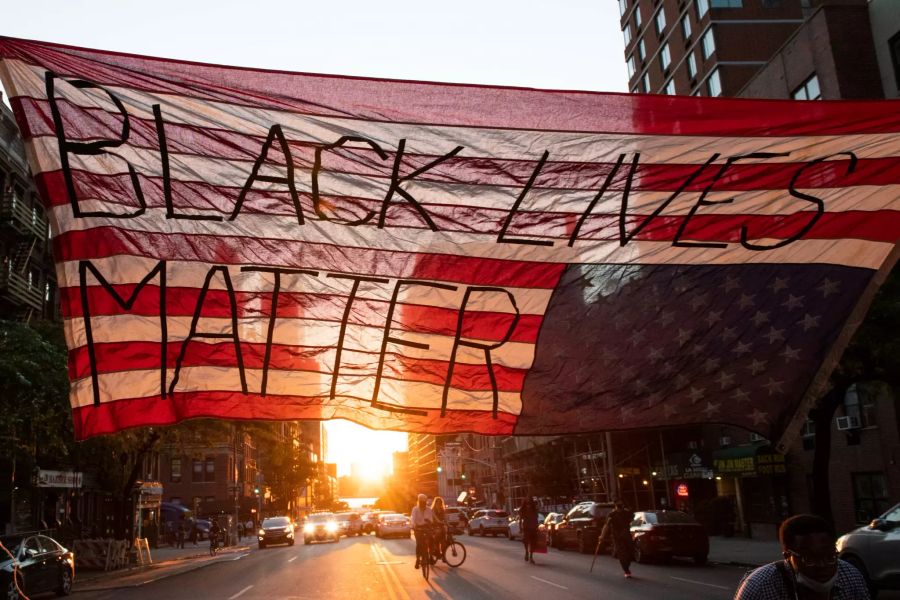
703 47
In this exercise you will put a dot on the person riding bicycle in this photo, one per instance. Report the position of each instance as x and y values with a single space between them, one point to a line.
439 540
421 519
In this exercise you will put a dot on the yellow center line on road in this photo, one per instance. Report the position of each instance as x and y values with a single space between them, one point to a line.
384 569
382 551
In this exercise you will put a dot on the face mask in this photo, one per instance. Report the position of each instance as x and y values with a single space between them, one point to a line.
819 587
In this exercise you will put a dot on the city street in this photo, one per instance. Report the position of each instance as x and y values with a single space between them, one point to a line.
368 567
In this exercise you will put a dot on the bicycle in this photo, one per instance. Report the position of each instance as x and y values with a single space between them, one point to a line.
454 552
423 550
213 544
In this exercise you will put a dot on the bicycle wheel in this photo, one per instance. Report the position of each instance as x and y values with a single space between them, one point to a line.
454 554
425 564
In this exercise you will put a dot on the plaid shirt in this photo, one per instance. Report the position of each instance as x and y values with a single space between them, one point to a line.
768 583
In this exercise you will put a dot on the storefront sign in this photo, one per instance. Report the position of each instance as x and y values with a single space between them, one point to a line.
682 490
770 464
59 479
743 465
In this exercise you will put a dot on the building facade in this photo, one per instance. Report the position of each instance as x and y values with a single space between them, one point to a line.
703 47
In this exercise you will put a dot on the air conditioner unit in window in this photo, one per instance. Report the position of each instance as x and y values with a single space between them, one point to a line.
755 437
693 445
725 440
846 423
809 428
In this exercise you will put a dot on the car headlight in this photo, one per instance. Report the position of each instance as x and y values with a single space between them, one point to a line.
331 526
262 532
309 528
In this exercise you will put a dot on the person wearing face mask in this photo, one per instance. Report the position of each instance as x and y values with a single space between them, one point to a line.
810 569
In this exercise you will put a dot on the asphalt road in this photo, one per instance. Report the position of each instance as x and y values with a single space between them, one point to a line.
367 567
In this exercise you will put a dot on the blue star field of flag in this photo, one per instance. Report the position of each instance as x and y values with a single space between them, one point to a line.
629 346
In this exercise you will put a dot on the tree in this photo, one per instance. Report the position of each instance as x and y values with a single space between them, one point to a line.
549 474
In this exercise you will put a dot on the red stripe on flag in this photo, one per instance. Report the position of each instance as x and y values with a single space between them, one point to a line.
103 242
459 104
133 356
109 417
320 307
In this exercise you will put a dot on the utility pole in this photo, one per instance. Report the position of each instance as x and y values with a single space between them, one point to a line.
237 473
611 469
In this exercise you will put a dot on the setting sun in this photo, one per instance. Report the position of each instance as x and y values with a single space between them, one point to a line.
370 451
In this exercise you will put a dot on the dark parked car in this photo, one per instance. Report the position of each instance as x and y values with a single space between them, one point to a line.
43 566
581 526
276 530
320 527
666 533
874 549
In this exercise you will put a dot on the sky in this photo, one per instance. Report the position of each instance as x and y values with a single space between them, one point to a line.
575 45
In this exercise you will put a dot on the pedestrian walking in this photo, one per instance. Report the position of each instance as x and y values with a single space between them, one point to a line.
179 533
194 531
528 522
617 529
809 569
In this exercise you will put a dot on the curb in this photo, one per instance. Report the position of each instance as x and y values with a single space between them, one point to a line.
180 565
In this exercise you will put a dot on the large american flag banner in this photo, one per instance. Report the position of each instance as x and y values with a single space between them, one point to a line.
253 244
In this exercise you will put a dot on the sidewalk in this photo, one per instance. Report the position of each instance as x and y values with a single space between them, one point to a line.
167 561
743 552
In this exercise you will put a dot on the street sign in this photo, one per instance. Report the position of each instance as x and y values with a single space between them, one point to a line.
59 479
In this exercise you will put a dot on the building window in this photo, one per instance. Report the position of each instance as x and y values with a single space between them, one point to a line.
175 470
702 8
637 18
726 3
623 6
868 415
210 470
686 26
894 46
631 68
195 503
175 500
661 21
870 496
714 84
646 83
709 44
808 90
642 50
209 499
692 65
665 57
626 33
670 88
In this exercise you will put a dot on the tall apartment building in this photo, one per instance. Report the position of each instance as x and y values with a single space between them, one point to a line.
703 47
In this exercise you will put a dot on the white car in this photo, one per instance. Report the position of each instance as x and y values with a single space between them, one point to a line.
392 525
514 532
489 521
